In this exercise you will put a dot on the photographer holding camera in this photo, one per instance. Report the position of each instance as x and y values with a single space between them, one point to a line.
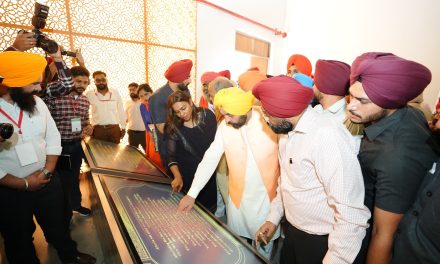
28 186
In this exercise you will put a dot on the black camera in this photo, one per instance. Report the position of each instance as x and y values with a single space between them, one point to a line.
6 130
43 41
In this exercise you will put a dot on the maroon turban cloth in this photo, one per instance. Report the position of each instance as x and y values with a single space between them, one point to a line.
332 77
283 96
208 77
179 71
389 81
225 73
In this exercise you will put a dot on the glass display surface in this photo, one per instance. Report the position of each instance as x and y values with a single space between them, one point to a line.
120 157
160 234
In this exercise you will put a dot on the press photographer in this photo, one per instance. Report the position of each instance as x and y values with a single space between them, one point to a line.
28 186
27 40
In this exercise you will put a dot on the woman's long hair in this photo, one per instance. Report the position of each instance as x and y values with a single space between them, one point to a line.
173 121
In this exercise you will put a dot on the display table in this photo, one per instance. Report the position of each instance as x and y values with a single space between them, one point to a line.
137 219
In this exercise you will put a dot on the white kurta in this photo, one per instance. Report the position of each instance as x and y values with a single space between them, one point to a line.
254 204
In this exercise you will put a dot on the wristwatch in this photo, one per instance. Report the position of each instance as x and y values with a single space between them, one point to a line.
47 173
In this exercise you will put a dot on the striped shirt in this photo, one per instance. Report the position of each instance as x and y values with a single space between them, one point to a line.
321 189
64 84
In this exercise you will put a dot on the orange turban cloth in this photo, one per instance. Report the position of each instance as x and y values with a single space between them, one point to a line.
283 96
332 77
389 81
301 62
248 79
19 69
179 71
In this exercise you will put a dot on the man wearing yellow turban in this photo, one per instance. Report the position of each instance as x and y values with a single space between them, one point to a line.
251 151
28 185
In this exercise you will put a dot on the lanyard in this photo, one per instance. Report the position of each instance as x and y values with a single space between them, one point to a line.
105 99
20 119
75 106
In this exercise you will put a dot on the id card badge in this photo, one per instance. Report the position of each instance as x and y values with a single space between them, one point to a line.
76 124
26 153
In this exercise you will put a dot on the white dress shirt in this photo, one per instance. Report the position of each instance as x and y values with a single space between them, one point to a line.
337 110
40 129
133 114
321 189
106 109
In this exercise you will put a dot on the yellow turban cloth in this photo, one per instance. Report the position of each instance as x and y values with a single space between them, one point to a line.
19 69
234 101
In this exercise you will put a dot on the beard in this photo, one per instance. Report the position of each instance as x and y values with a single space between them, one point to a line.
370 118
134 96
241 121
284 127
78 90
317 98
182 86
25 101
315 101
102 86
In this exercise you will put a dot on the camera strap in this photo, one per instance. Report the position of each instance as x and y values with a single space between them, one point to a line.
20 119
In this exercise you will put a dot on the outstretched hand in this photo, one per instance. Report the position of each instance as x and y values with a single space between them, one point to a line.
186 204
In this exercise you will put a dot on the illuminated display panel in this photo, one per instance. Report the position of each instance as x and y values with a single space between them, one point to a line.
119 157
160 234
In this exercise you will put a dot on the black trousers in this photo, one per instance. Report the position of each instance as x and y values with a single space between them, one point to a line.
300 247
17 225
136 138
70 177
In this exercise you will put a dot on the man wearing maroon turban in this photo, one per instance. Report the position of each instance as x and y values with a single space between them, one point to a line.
332 79
206 78
298 63
321 190
178 75
395 152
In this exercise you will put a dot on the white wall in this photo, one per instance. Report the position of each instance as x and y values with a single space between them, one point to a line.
342 30
216 35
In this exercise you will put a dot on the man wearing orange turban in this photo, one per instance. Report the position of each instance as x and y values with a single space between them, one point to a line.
178 75
321 183
28 186
298 63
249 78
251 149
396 151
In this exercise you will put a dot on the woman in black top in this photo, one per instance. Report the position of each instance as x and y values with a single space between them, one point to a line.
189 131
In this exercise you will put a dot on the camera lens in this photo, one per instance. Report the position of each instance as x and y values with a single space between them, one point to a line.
48 45
6 130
